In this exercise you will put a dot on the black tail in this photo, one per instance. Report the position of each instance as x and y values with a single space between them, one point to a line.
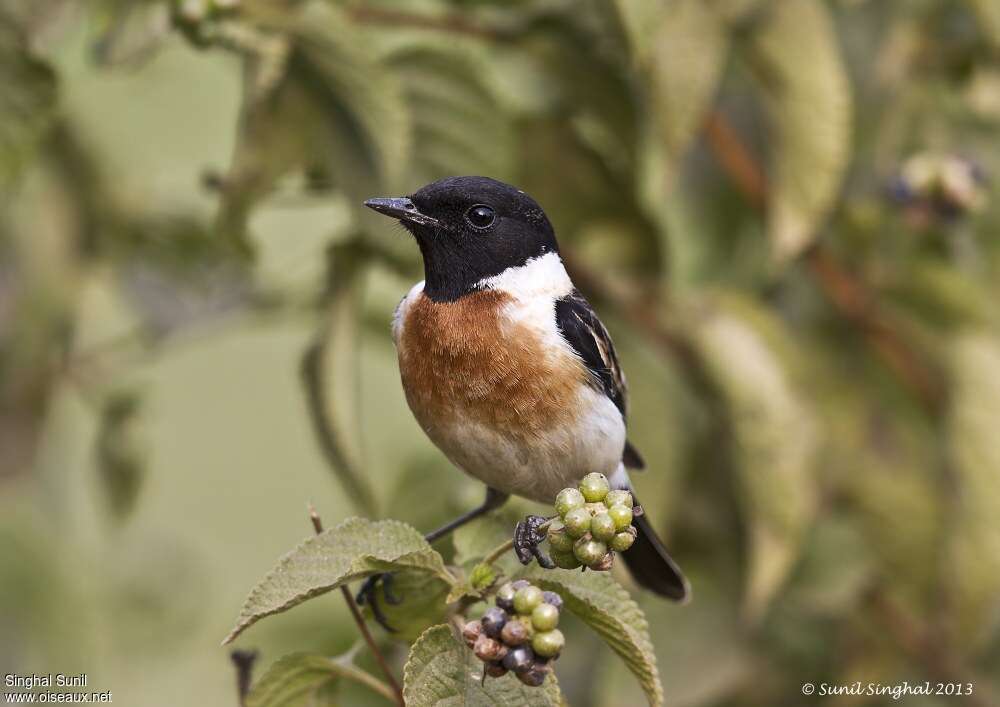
652 567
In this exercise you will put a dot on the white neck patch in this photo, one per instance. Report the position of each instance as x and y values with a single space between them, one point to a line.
543 276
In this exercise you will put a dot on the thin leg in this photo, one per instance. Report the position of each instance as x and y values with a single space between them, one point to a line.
366 594
494 499
527 538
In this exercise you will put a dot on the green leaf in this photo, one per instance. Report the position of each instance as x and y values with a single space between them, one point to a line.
605 606
422 602
475 540
458 125
308 680
974 447
796 58
294 681
355 549
774 436
686 60
440 671
316 99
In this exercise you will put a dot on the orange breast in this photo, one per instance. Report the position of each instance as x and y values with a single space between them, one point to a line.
464 360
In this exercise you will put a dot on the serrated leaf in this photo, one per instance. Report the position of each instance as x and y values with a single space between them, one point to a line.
458 125
605 606
355 549
294 681
796 58
310 680
440 671
774 439
974 447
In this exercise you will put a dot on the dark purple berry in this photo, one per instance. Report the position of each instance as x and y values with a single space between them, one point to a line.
519 659
495 670
505 597
493 621
553 599
532 677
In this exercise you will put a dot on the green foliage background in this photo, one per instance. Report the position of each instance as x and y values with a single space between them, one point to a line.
815 368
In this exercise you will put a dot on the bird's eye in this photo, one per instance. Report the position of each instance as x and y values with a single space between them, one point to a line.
480 216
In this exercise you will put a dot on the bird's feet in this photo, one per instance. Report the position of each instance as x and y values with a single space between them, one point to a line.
527 538
368 594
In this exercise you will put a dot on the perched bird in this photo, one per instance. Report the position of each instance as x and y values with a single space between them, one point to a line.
505 365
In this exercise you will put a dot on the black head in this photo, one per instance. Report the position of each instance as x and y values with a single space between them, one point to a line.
468 229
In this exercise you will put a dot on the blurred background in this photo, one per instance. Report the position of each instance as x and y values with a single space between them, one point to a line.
786 212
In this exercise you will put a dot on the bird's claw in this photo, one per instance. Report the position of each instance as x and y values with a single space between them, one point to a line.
527 538
368 592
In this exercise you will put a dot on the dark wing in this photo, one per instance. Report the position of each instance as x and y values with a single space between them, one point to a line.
582 329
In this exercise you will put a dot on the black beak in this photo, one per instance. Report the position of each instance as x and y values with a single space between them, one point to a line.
403 209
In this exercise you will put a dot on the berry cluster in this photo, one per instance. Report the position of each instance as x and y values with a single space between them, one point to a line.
519 634
594 523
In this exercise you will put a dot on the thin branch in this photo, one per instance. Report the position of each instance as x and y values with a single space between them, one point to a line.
851 297
396 693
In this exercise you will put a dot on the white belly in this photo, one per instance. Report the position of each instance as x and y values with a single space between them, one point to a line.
539 467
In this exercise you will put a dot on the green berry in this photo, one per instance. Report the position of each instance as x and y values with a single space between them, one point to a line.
559 539
594 487
565 560
623 540
567 500
618 496
548 643
577 522
594 508
621 515
526 599
589 551
545 617
602 527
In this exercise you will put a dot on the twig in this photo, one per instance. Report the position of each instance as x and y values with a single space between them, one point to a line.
244 661
849 296
397 692
355 673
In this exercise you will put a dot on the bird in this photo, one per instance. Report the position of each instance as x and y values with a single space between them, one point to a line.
505 365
